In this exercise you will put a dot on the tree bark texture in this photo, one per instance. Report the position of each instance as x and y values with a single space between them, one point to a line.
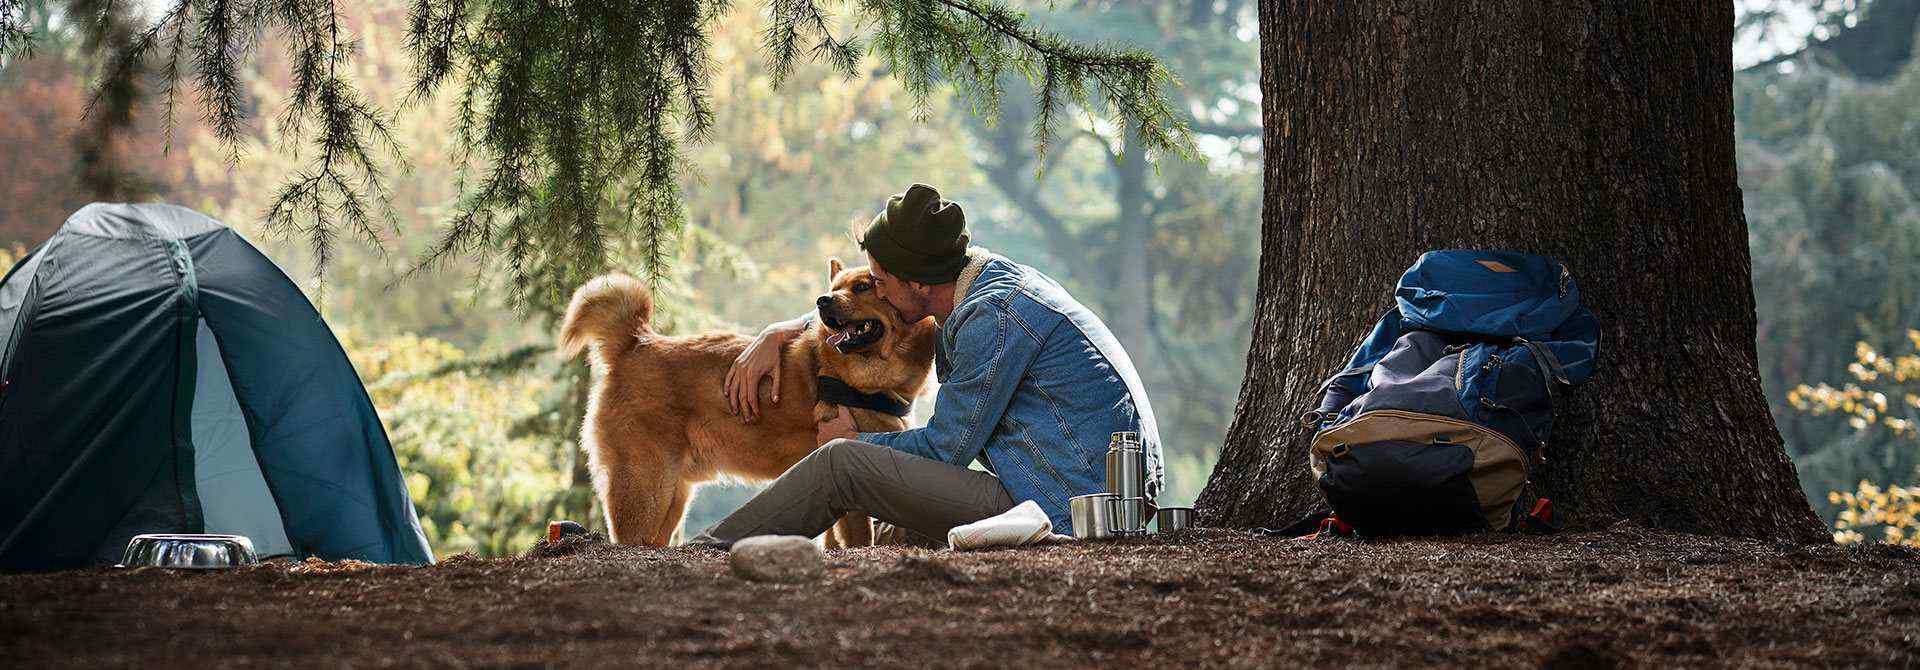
1599 133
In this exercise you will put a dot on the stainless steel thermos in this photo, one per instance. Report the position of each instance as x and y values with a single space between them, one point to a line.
1126 465
1127 481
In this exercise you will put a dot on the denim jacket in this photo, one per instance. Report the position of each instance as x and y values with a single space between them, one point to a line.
1032 384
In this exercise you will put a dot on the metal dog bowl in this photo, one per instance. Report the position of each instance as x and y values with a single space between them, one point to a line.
189 551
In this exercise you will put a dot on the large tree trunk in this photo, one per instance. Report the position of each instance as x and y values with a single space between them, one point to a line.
1600 134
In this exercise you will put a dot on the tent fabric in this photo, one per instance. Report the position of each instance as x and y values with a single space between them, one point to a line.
233 494
138 222
87 416
300 395
109 415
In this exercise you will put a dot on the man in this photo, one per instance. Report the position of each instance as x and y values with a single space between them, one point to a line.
1031 385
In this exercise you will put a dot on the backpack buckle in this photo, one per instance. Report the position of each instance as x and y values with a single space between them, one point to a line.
1331 526
1542 518
1339 451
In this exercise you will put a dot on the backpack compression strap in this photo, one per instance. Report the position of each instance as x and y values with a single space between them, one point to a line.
1550 368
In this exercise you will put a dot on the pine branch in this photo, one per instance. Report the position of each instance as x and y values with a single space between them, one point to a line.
571 115
1008 24
15 36
794 20
434 33
973 41
345 182
216 70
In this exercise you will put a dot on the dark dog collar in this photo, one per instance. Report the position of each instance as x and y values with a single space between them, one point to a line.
839 393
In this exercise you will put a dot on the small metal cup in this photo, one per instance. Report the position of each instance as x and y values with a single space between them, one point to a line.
1173 519
1092 515
1129 516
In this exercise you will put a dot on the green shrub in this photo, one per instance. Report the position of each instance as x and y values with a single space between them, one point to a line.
477 488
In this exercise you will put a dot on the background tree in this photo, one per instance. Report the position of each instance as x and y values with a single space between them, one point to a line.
1163 252
1830 165
1393 130
86 147
1870 39
53 82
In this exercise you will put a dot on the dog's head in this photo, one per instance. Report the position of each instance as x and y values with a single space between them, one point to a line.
856 320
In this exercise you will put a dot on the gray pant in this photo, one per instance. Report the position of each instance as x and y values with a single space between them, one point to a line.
919 494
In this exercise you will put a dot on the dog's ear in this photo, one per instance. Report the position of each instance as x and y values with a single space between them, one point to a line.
927 328
917 335
833 269
931 324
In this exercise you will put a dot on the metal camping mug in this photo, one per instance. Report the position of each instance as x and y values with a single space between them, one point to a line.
1091 515
1126 465
1173 519
1130 516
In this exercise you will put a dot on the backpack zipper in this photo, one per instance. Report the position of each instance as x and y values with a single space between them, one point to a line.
1460 370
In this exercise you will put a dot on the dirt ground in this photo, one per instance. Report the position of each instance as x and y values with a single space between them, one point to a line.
1621 598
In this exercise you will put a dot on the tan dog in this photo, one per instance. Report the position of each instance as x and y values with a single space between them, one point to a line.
657 423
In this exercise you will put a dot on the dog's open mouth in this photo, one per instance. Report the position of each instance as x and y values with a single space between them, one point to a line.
852 336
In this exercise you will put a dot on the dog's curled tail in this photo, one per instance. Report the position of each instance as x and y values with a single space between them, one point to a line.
610 311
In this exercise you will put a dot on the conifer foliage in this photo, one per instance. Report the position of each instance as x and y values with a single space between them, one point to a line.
14 32
573 113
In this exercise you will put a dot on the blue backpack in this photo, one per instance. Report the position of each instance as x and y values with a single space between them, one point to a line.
1435 422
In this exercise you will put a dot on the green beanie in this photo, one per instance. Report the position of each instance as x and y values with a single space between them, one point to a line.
919 237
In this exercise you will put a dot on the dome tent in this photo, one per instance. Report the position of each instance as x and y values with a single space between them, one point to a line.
160 374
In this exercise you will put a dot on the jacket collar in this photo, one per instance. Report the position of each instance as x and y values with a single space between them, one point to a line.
977 258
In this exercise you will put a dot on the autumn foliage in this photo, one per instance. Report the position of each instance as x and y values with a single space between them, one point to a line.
44 133
43 99
1885 394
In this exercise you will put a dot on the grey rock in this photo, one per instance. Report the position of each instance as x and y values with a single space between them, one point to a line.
777 558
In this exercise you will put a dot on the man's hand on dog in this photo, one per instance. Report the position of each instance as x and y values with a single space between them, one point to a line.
759 361
841 425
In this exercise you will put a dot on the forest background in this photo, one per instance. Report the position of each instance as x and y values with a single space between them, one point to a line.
484 418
